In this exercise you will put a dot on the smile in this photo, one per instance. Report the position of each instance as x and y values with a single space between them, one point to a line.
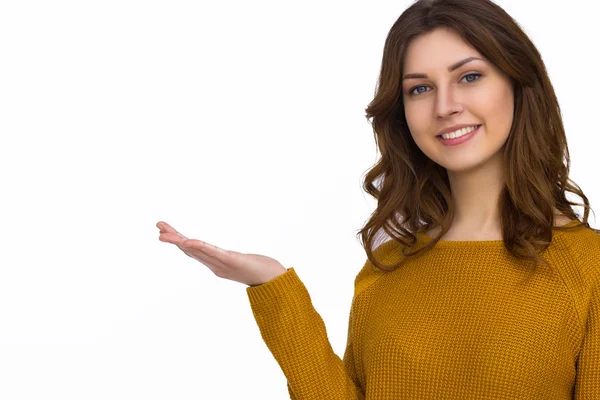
460 139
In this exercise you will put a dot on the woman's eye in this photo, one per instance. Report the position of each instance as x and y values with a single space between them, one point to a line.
411 91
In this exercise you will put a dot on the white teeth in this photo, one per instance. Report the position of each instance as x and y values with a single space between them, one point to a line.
459 133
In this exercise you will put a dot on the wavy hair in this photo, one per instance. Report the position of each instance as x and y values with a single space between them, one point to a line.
413 192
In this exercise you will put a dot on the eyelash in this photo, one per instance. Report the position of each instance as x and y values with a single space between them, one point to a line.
410 92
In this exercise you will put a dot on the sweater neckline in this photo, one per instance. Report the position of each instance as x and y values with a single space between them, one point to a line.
486 243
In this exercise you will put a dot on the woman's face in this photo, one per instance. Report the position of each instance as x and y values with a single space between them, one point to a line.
447 98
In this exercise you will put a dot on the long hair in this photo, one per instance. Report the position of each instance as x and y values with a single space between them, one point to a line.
413 192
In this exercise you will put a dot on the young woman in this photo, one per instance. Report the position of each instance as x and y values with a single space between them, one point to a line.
490 284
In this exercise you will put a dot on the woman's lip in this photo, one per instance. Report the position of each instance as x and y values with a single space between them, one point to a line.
462 139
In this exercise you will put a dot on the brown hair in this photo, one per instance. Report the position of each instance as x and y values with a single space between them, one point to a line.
536 166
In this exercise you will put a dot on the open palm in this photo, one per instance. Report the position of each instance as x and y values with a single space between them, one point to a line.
250 269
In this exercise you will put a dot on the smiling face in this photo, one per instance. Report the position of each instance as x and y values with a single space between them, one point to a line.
475 93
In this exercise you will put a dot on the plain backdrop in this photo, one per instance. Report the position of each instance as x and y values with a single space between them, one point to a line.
239 123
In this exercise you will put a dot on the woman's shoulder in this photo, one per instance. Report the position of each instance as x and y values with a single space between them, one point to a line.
583 244
369 273
578 234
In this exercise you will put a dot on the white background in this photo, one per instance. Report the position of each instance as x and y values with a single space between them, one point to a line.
239 123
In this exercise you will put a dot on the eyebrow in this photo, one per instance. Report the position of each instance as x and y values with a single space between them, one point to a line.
450 68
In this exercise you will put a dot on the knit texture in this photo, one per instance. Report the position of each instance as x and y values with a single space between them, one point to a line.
464 321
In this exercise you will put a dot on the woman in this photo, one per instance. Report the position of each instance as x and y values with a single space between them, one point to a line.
490 284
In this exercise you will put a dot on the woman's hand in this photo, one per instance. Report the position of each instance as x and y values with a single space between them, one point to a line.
250 269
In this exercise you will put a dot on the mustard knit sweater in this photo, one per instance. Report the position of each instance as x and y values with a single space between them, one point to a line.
459 322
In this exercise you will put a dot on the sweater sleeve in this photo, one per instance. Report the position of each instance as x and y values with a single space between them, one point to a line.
587 384
585 249
296 336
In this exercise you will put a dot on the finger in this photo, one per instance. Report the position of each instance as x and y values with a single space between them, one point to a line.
164 227
175 238
203 246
